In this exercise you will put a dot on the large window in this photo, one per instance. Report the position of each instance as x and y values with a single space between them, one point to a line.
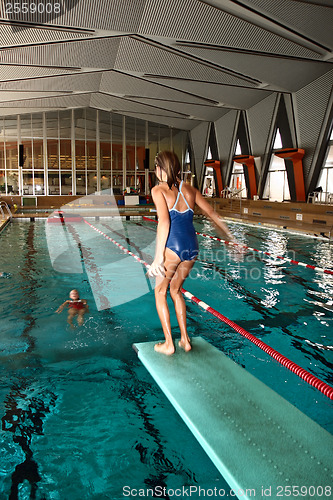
237 181
326 176
208 188
80 152
277 186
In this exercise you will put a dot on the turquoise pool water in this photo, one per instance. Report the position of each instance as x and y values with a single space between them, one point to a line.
81 417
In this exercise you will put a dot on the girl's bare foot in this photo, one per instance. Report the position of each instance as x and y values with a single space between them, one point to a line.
165 348
186 345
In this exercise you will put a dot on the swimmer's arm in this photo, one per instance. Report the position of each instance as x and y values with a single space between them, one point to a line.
208 210
157 267
60 308
86 307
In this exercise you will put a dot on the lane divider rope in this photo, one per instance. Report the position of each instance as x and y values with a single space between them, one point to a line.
295 262
293 367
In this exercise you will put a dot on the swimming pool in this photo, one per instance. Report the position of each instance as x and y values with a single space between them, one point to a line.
81 417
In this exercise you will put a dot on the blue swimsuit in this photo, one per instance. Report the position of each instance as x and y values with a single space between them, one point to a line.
182 238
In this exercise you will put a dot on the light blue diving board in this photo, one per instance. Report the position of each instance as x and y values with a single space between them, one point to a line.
254 436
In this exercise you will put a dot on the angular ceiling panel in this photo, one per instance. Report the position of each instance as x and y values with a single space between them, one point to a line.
30 35
51 102
130 86
13 96
90 14
119 104
135 55
199 22
22 111
283 73
70 83
178 63
199 112
236 97
95 53
20 72
312 20
177 123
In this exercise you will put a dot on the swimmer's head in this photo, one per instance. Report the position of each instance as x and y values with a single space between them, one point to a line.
74 294
169 162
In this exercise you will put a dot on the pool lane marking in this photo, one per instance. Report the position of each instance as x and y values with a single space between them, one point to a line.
295 262
90 267
133 245
250 298
283 360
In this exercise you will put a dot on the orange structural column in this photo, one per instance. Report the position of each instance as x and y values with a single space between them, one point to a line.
250 175
216 165
295 156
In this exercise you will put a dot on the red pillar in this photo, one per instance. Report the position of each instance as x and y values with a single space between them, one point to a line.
295 156
216 165
248 162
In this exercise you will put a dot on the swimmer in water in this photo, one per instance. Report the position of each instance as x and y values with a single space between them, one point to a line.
176 243
76 307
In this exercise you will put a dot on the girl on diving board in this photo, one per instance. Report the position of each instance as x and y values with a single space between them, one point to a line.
176 243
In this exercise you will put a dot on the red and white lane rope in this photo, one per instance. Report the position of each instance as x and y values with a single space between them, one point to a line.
125 250
305 375
295 262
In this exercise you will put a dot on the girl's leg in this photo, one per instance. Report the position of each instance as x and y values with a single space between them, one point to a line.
171 263
176 284
71 313
80 317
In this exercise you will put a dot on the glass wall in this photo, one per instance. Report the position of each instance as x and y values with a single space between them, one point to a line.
277 186
237 181
208 188
326 176
81 152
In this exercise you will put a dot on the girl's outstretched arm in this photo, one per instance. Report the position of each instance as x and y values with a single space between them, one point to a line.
157 267
214 216
60 308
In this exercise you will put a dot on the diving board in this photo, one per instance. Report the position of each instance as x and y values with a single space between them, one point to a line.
255 438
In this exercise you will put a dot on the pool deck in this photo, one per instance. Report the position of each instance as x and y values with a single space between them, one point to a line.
128 213
304 218
302 228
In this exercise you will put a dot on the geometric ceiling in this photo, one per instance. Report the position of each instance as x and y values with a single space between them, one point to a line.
174 62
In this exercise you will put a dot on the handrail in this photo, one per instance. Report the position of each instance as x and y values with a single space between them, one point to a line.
4 204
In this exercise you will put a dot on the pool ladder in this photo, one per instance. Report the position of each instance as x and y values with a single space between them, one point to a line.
3 205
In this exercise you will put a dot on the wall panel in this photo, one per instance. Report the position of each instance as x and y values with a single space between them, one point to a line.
311 103
199 139
225 132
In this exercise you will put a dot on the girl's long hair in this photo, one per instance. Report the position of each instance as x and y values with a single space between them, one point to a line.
169 162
